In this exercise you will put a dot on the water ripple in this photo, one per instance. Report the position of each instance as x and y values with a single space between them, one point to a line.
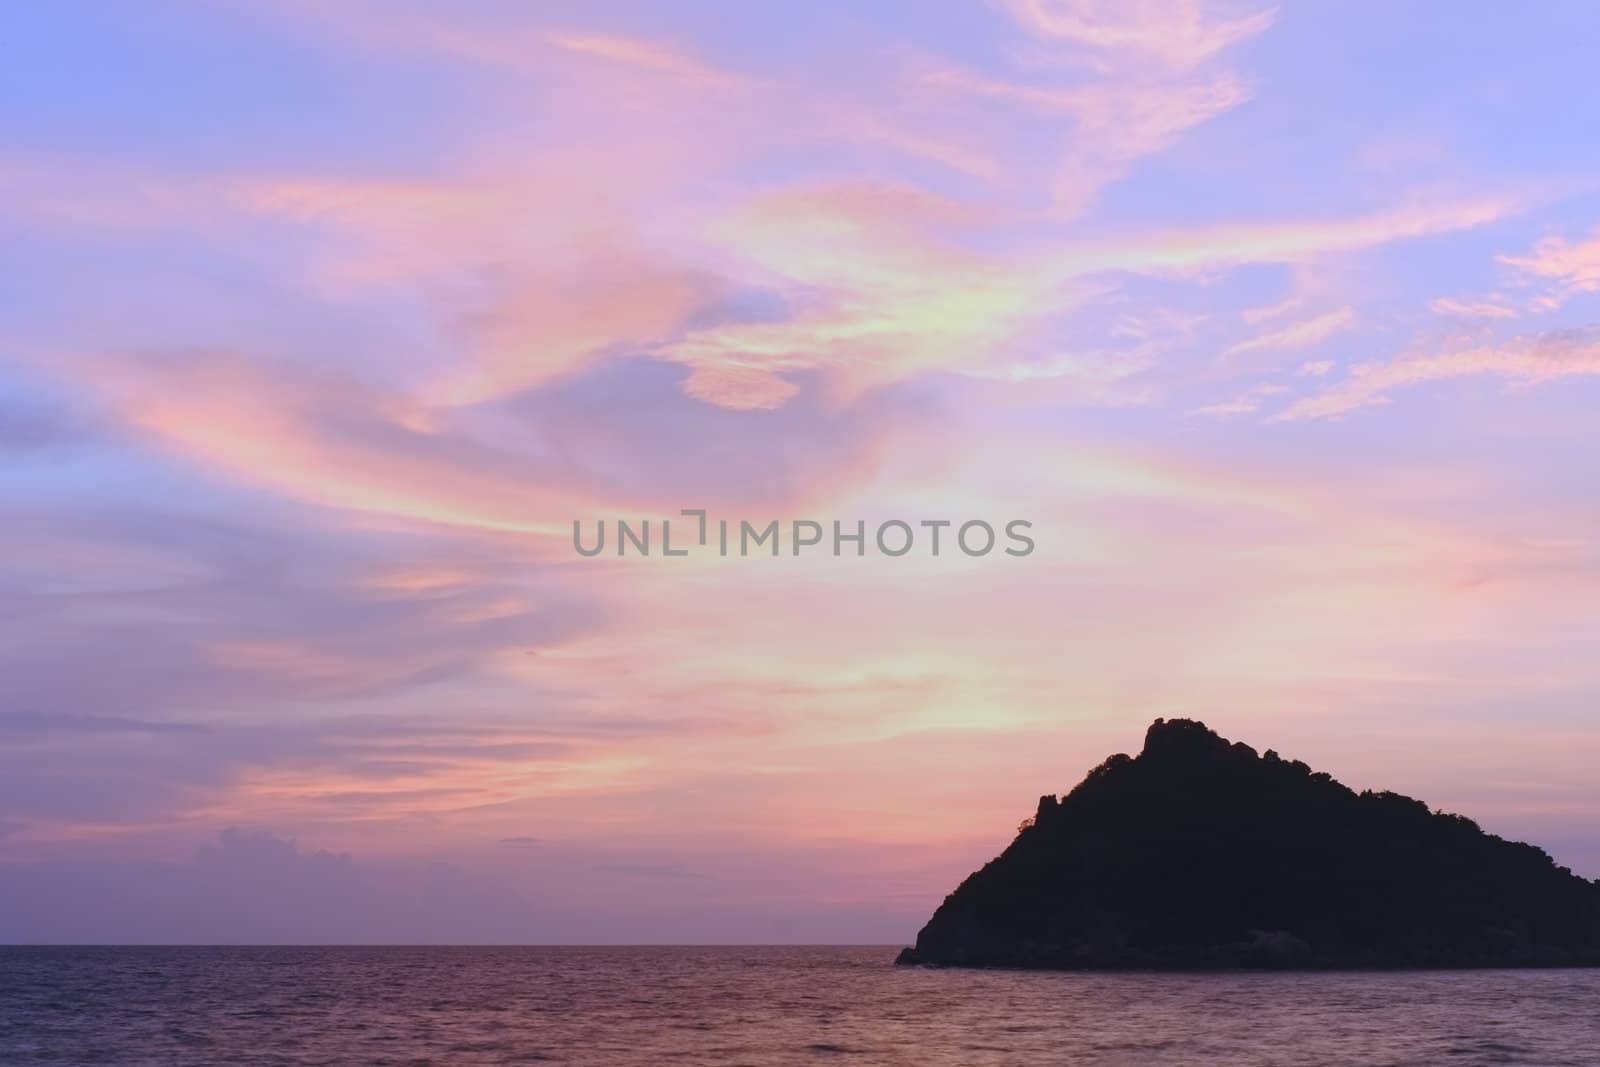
287 1007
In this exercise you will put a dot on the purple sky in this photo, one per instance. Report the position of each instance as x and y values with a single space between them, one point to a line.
320 324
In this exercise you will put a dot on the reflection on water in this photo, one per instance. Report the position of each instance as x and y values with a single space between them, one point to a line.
290 1006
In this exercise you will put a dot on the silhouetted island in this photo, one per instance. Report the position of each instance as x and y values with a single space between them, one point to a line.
1199 853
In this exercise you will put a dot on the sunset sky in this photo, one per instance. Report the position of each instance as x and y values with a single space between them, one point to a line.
321 322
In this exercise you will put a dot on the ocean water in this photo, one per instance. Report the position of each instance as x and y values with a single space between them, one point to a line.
618 1007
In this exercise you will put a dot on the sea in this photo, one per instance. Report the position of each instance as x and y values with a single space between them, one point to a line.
170 1007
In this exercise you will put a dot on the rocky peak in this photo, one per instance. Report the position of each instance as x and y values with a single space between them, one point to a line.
1188 741
1200 853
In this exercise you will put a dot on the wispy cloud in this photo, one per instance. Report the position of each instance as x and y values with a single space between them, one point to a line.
1304 334
1178 35
1245 403
1574 266
1151 78
649 55
1471 309
1523 361
1235 244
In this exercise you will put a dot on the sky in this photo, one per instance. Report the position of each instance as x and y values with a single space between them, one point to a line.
322 323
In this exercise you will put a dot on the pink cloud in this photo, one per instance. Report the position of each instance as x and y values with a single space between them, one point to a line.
1304 334
1471 309
1574 266
649 55
1179 35
1523 361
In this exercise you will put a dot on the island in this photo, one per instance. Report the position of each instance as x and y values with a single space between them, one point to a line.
1198 853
